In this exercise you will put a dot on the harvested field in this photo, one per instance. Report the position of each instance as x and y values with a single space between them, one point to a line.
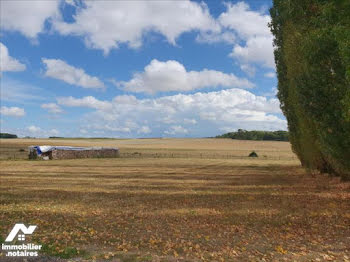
170 148
176 200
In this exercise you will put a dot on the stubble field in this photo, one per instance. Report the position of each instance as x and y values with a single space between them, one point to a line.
175 200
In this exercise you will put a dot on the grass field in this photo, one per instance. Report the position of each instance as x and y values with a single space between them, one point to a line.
176 200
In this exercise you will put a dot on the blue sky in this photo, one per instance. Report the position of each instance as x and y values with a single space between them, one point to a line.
137 69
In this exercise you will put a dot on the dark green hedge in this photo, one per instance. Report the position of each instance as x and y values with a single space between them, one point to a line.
257 135
312 40
6 135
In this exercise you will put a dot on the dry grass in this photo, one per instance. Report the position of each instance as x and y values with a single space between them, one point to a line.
164 207
172 148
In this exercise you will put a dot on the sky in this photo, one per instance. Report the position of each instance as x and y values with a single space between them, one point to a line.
123 69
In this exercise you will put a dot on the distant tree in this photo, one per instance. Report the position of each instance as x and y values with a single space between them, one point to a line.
7 135
257 135
312 55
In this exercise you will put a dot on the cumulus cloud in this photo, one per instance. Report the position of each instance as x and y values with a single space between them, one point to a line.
27 17
257 50
190 121
245 22
33 129
59 69
88 101
248 69
167 76
107 24
252 28
52 108
144 130
54 132
71 2
40 132
193 112
175 130
107 127
12 111
8 63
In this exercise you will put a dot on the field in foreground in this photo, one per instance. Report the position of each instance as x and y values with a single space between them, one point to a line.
176 200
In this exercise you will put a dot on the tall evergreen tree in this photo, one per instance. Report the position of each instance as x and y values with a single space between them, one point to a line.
312 55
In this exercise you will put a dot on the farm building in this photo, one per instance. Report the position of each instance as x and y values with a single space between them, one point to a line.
69 152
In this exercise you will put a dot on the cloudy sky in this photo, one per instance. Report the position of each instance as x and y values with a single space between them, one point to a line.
136 68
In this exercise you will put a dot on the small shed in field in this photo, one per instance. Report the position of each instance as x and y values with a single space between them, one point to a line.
70 152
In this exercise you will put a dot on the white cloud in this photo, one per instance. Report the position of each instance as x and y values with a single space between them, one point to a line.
172 76
194 112
166 120
270 75
176 130
83 131
248 69
40 132
52 108
190 121
245 22
12 111
88 101
107 24
54 132
108 127
144 130
252 28
71 2
257 50
59 69
34 129
8 63
216 37
27 17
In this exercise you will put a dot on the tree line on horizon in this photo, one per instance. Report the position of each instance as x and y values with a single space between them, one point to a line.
7 135
312 55
242 134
